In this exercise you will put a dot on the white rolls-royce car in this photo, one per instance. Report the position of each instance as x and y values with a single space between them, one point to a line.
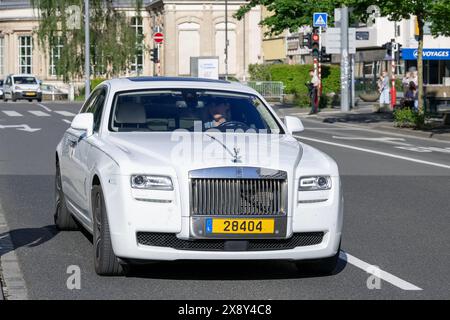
163 169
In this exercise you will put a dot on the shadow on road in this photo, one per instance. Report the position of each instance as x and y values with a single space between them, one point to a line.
27 237
225 270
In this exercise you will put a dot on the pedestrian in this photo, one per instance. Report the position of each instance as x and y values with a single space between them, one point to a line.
313 87
415 78
410 96
383 87
405 82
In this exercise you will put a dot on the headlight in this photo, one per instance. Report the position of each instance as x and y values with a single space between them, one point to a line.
314 183
38 90
17 88
151 182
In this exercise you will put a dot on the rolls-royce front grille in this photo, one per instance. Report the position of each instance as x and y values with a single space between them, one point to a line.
170 240
238 196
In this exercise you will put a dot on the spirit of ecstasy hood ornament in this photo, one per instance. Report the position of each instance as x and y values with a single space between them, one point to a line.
237 157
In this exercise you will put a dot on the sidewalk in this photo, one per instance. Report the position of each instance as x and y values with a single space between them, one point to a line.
364 117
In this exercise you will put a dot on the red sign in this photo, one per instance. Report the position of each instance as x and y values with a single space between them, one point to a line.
315 37
158 37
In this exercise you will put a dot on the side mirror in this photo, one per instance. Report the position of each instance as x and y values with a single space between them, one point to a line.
84 122
293 124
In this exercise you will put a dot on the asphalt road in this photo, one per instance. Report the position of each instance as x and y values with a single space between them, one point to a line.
397 218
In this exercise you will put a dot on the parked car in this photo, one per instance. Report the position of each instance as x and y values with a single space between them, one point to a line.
1 88
127 172
22 86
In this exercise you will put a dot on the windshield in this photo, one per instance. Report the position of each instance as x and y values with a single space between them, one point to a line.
25 80
190 109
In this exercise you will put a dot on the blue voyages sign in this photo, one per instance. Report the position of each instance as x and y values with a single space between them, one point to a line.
428 54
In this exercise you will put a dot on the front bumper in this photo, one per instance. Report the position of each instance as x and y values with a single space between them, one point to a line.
27 95
128 217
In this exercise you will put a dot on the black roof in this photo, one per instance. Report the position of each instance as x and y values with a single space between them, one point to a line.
145 79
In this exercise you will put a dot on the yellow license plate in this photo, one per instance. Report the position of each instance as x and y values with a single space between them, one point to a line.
30 93
240 226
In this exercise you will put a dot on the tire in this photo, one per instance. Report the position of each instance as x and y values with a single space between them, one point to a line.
39 100
106 262
4 98
325 266
13 97
30 100
63 218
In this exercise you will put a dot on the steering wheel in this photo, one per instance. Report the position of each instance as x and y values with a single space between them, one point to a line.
233 124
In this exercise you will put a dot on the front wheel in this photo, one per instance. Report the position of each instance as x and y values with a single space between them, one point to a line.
106 262
63 218
325 266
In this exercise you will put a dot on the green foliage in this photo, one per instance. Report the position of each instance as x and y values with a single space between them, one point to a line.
408 118
288 14
295 77
95 82
113 41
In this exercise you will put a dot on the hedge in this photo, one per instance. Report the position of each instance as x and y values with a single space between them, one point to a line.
295 77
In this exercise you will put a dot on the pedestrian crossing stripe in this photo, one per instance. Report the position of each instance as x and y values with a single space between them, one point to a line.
12 113
39 113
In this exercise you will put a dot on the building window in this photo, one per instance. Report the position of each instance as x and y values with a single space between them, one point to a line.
25 54
55 55
2 55
138 60
188 46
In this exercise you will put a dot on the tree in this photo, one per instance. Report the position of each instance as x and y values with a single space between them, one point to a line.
113 42
288 14
435 12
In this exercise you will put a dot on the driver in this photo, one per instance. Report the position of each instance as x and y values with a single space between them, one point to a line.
219 114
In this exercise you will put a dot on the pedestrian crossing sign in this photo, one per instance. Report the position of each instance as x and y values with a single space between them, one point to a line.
320 19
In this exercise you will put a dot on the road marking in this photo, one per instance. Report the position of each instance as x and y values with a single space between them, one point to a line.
386 276
67 121
440 165
380 139
358 127
21 127
45 107
65 113
12 113
39 113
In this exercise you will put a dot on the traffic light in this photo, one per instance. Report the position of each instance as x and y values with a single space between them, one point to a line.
324 57
154 53
306 41
388 47
315 43
398 53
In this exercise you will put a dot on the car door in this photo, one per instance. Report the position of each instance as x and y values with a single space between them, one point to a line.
72 163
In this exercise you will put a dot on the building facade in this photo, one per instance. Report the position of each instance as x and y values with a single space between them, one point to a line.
191 29
196 28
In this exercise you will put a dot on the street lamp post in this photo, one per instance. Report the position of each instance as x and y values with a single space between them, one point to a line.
226 39
87 49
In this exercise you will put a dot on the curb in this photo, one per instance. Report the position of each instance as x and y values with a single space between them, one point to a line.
12 284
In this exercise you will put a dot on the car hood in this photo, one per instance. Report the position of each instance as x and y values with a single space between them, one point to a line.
27 86
184 151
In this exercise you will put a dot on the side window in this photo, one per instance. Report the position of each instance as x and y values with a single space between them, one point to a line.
88 104
97 108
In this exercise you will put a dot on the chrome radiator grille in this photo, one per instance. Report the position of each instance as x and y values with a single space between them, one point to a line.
219 196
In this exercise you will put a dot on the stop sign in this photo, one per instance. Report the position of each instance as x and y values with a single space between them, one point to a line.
158 37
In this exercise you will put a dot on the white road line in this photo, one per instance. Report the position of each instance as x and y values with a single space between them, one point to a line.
386 276
67 121
45 107
440 165
39 113
65 113
12 113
